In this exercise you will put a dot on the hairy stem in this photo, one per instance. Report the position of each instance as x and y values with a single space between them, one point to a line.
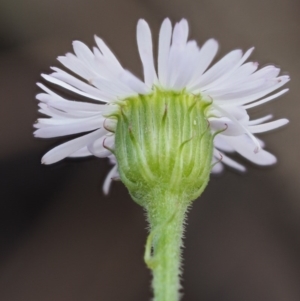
163 248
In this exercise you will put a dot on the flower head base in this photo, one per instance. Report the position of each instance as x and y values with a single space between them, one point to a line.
231 86
164 143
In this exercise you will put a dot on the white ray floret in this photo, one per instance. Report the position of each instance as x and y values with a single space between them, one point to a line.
232 85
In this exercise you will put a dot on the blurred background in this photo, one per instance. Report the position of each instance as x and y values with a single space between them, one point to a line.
61 239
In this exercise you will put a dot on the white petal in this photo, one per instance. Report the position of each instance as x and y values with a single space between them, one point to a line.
64 150
75 82
240 98
83 152
218 167
134 83
69 87
269 72
205 57
112 159
69 104
260 120
240 125
260 128
264 100
84 54
46 110
107 52
180 33
241 74
59 114
226 126
50 122
218 70
111 88
113 172
221 144
91 61
230 71
43 87
239 113
239 77
102 146
243 145
245 70
83 125
106 69
122 82
177 54
71 62
163 50
187 65
144 40
246 88
231 163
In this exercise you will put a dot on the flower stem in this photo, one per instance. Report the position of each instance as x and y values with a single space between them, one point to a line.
163 248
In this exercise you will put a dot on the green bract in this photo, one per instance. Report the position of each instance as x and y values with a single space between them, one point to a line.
164 143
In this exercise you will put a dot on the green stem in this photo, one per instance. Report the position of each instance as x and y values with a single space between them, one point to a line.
163 248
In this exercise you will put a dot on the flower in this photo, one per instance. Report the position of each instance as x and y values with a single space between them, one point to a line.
231 85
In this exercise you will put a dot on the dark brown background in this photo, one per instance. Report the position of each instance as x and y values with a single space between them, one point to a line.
62 240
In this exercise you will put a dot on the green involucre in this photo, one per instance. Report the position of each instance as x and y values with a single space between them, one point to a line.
164 143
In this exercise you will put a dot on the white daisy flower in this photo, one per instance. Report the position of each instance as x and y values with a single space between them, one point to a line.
231 85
